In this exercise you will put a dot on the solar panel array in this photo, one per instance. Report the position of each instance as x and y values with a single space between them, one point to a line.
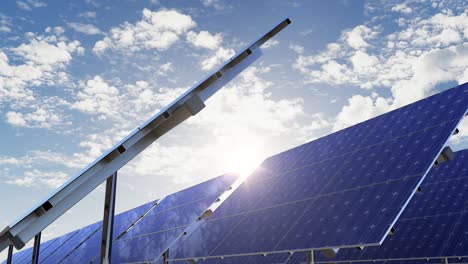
435 223
343 190
58 249
140 234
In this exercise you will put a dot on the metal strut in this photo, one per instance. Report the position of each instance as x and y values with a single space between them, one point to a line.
10 254
36 249
310 257
108 219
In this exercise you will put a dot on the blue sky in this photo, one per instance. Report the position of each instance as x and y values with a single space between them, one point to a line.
77 76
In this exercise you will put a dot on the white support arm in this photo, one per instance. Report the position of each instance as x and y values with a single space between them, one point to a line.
187 105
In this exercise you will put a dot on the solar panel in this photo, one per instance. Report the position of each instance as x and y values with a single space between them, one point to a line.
91 246
150 237
343 190
435 223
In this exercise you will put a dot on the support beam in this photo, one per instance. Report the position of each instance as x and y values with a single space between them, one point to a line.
310 257
36 249
108 219
10 254
444 261
185 106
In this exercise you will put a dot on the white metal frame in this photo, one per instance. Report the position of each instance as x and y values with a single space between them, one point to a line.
187 105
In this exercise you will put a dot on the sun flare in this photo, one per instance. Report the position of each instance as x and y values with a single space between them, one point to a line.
244 160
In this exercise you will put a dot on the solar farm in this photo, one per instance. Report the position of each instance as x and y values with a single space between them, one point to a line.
387 190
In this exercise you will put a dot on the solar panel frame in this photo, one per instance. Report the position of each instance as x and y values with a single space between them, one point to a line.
454 109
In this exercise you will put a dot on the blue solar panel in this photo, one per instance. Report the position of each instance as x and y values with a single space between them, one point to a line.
342 190
148 239
434 224
65 249
91 246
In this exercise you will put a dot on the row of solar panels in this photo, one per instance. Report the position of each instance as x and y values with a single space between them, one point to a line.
345 190
140 234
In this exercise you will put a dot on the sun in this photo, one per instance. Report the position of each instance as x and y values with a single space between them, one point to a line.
243 160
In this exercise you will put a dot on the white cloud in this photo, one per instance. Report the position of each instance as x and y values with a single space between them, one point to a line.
270 43
87 29
40 61
42 52
97 97
220 56
357 37
204 39
360 108
402 8
411 61
157 30
30 4
134 102
296 48
52 179
5 23
40 118
216 4
363 62
15 119
165 68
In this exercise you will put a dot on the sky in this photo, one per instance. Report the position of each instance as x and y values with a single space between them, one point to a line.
78 76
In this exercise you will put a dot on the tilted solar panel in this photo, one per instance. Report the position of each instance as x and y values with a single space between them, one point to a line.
161 227
66 246
434 224
343 190
91 246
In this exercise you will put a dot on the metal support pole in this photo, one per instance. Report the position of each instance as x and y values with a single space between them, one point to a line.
108 220
310 257
444 261
166 257
37 245
10 254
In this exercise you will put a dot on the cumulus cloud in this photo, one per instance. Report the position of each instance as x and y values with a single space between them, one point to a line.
358 36
43 60
204 39
156 30
402 8
52 179
87 29
410 62
270 43
219 57
136 101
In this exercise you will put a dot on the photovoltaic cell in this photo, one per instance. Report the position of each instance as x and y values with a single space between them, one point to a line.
434 224
343 190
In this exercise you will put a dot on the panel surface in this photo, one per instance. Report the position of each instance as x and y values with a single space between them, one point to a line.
92 246
342 190
434 224
163 225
